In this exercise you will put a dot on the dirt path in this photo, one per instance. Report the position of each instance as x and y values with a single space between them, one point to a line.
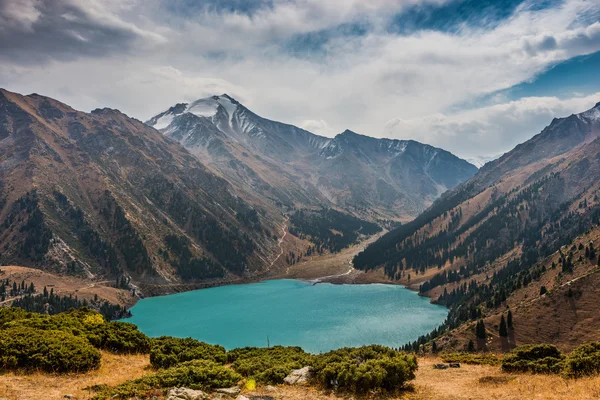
279 242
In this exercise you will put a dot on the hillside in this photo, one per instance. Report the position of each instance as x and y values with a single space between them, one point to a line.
371 178
103 195
480 242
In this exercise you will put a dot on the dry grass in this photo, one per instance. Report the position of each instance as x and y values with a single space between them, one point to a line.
465 383
115 369
488 382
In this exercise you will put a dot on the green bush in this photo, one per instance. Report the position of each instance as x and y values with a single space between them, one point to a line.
116 337
268 365
168 351
363 369
471 358
9 314
583 361
535 358
46 350
197 374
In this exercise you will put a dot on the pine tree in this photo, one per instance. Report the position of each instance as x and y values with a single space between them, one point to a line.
480 330
503 330
433 347
509 320
471 346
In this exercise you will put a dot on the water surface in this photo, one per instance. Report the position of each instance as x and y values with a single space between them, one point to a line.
293 313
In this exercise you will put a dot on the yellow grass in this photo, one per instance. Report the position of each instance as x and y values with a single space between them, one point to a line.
115 369
467 382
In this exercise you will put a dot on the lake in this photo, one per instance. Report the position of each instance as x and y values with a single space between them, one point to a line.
318 317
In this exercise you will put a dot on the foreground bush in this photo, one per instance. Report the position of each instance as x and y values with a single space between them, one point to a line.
46 350
168 351
471 358
583 361
363 369
536 358
197 374
268 365
116 337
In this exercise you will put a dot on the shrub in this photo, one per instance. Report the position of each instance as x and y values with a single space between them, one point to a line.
46 350
116 337
363 369
471 358
197 374
584 360
536 358
9 314
268 365
168 351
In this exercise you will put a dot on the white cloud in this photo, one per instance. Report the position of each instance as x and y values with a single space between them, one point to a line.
356 82
489 131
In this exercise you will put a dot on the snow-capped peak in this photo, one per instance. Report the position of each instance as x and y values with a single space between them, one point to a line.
208 107
592 114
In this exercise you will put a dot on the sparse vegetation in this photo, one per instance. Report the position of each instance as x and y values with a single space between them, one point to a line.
268 365
197 374
169 351
363 369
535 358
583 361
46 350
116 337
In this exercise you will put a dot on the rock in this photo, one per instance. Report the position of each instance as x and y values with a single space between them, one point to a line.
242 397
454 365
186 394
270 388
298 376
68 396
440 366
232 391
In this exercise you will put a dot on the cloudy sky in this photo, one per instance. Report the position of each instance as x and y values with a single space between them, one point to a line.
475 77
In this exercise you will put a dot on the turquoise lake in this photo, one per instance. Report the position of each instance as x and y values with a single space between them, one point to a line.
318 317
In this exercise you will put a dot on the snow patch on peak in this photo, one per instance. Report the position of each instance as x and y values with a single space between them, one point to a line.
593 114
204 107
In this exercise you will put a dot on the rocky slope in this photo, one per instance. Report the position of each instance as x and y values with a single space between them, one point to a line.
102 194
376 178
489 237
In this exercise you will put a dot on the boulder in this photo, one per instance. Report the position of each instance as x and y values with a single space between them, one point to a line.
298 376
440 366
232 391
186 394
454 365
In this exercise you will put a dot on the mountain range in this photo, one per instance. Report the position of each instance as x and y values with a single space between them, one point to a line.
101 194
374 178
530 216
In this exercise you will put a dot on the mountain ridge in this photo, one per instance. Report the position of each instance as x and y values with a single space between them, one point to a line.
101 194
304 160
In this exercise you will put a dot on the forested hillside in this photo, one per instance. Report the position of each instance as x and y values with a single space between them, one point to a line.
489 237
102 195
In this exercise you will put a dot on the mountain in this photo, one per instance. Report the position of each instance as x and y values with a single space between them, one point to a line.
505 227
103 195
378 178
